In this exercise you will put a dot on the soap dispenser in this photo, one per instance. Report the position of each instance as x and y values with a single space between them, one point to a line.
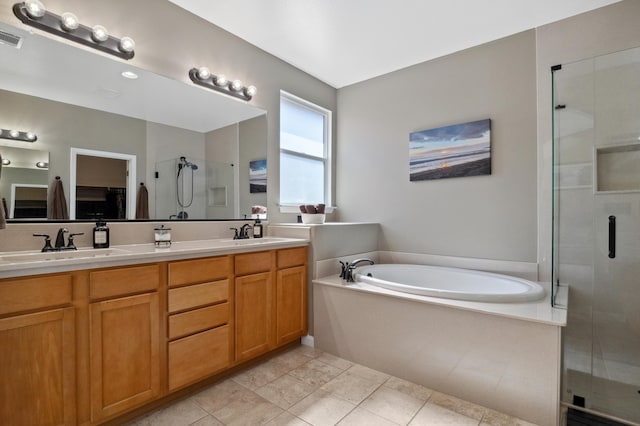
101 235
257 228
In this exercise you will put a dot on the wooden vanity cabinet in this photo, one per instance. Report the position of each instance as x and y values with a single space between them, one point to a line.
124 339
199 306
37 351
271 300
253 304
291 295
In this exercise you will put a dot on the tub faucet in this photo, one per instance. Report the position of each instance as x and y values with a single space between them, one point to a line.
347 268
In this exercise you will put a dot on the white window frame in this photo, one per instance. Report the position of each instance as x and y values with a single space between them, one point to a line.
328 164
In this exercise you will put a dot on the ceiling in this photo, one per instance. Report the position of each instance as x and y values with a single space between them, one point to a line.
343 42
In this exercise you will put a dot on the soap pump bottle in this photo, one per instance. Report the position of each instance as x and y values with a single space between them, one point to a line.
257 228
101 235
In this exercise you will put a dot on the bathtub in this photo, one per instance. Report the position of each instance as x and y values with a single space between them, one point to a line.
450 283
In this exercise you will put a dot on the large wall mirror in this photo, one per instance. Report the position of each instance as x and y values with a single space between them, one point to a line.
191 147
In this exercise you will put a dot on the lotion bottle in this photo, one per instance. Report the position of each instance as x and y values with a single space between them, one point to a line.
101 235
257 228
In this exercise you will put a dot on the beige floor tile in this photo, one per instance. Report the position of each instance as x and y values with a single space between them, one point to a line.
409 388
291 360
285 391
254 410
351 387
362 417
392 405
315 373
222 394
207 421
368 373
495 418
287 419
260 375
435 415
335 361
181 413
322 408
458 405
308 351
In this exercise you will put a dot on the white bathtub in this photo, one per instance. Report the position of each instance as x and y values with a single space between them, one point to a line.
450 283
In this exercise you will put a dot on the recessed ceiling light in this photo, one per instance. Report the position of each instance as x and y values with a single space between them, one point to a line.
130 75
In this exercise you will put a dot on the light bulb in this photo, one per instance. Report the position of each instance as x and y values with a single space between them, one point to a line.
69 21
221 80
31 136
42 164
204 73
236 85
250 91
99 34
14 133
126 44
35 9
6 161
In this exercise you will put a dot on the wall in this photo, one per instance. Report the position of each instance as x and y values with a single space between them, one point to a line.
251 137
222 148
490 217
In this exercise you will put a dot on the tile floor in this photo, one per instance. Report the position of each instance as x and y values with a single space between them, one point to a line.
305 386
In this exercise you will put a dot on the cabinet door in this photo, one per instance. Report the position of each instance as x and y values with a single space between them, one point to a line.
253 315
37 367
291 304
125 364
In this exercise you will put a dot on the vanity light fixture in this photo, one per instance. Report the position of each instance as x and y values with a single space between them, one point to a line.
17 135
33 13
203 77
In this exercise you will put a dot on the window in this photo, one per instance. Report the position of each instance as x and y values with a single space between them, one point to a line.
305 168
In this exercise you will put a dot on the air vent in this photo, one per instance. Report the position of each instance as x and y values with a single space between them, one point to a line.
10 39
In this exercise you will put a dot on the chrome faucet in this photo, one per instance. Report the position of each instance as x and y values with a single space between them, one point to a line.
347 268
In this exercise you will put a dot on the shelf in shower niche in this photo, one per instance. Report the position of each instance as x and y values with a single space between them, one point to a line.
617 168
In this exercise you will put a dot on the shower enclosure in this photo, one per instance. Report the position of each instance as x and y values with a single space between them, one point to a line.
194 189
596 230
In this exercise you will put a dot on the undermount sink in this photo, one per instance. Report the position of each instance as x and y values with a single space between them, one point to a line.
57 255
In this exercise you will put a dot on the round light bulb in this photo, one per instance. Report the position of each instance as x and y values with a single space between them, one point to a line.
35 9
236 85
250 91
31 136
99 34
204 73
6 161
14 133
126 44
42 165
221 80
69 21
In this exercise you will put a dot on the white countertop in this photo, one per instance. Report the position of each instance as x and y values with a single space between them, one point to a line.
16 264
539 311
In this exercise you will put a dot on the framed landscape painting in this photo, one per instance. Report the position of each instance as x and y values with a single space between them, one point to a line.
257 176
452 151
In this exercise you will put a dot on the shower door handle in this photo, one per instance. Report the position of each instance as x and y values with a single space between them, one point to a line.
612 237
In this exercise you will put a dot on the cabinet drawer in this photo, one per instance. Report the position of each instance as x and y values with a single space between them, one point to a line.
252 263
24 294
199 270
198 356
198 295
123 281
292 257
197 320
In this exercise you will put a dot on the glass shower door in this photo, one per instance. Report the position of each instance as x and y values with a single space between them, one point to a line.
597 233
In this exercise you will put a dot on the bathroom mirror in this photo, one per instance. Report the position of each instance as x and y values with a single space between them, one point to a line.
73 98
24 182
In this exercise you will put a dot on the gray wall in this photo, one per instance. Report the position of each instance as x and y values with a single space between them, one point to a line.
170 41
251 137
485 216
